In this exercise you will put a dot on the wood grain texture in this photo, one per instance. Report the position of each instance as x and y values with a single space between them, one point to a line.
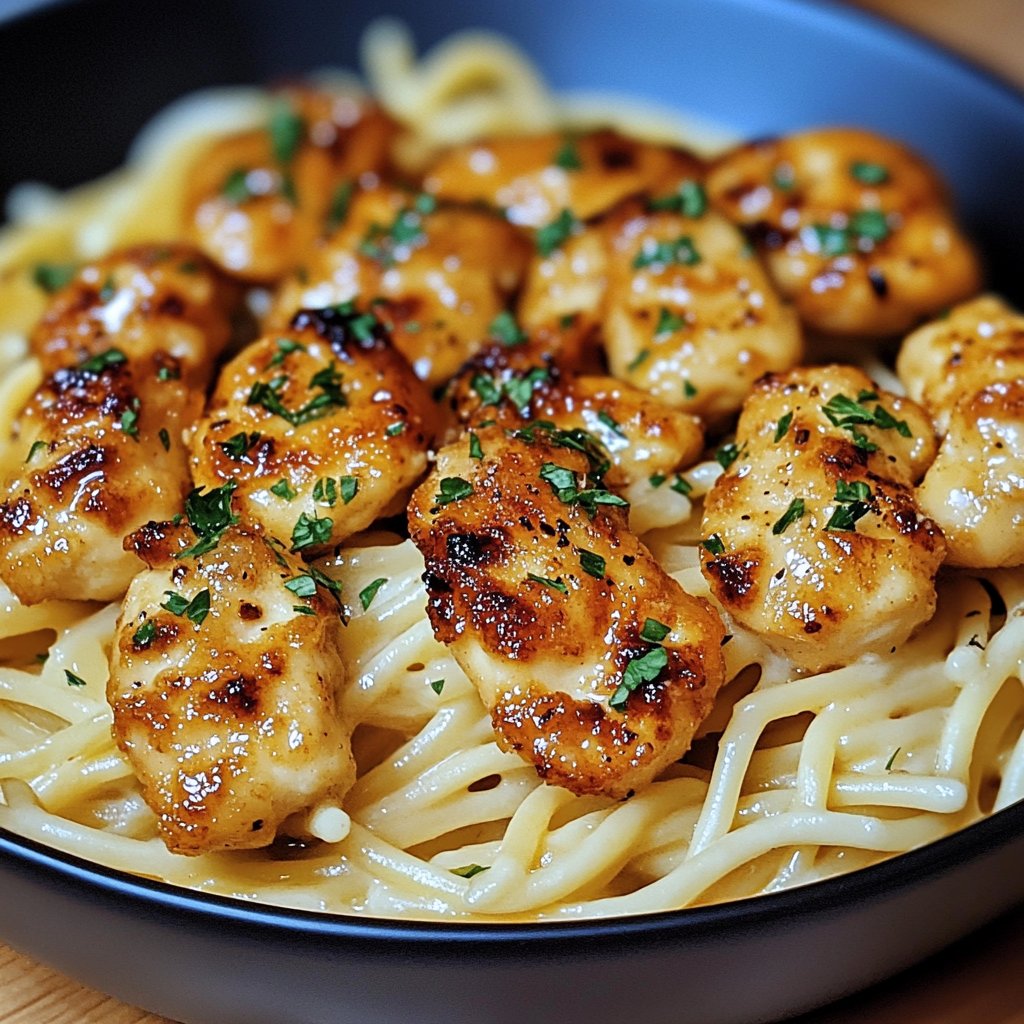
978 981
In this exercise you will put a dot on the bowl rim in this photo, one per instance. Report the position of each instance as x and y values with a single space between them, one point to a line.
884 879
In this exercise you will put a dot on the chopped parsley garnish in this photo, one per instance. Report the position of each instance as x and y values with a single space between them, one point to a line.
237 446
782 427
369 592
728 454
286 129
689 391
337 212
689 199
195 610
452 488
592 564
98 363
568 156
387 245
518 389
654 253
328 380
165 439
790 516
475 451
553 584
236 187
349 487
870 224
892 758
37 446
302 609
325 491
74 680
437 685
865 225
554 235
668 322
607 420
852 504
644 669
168 373
714 545
868 173
285 347
563 482
301 586
505 329
844 412
283 489
395 429
783 177
145 634
311 530
209 515
654 631
130 420
681 485
51 277
657 479
469 870
638 360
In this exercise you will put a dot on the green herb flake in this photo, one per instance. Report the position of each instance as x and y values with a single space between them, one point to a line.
831 241
689 391
638 360
302 609
104 360
194 610
325 491
662 254
337 212
310 531
37 446
656 480
301 586
608 420
74 680
268 395
892 758
385 245
209 515
349 488
285 347
475 451
654 631
681 485
469 870
714 544
130 421
668 322
689 199
369 592
51 277
869 173
283 489
452 488
843 411
166 373
784 177
644 669
286 129
165 439
782 427
728 454
553 236
870 224
144 635
437 685
568 156
553 584
852 504
790 516
592 564
237 446
395 429
236 187
505 329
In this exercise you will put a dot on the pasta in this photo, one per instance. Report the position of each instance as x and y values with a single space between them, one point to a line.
792 778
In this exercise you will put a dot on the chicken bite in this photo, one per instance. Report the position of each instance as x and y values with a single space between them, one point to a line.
224 682
855 228
596 666
968 370
814 540
323 427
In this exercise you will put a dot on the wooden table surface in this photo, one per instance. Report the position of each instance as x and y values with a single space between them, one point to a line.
978 981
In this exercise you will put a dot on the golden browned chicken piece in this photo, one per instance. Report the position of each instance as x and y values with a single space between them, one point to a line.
814 540
224 681
542 180
516 386
855 228
596 666
259 200
324 428
690 315
128 346
438 277
968 370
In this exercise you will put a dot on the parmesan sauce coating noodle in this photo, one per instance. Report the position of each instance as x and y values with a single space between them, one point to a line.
795 775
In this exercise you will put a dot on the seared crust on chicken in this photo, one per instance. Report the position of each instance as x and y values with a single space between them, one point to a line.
128 346
533 180
855 228
260 199
596 666
224 683
437 276
814 538
515 386
968 370
324 427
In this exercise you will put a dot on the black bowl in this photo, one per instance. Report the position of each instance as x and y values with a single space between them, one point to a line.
79 80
